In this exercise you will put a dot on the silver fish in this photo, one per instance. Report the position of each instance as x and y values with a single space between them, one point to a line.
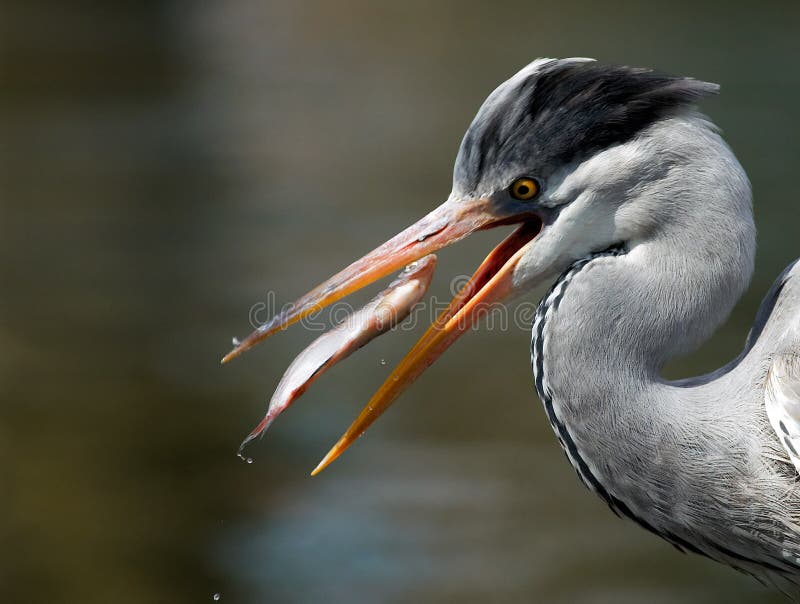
383 312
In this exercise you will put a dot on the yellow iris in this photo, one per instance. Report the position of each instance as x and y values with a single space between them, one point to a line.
524 188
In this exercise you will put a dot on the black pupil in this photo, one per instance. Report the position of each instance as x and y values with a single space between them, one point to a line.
523 189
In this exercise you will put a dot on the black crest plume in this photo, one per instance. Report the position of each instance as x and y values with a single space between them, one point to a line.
568 109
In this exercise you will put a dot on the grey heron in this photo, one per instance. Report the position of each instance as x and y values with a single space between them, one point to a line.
627 196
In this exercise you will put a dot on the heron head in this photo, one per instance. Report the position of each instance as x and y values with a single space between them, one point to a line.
556 150
586 144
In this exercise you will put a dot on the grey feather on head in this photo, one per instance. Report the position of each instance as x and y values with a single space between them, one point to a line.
556 111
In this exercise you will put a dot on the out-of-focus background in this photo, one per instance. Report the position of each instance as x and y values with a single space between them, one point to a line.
166 165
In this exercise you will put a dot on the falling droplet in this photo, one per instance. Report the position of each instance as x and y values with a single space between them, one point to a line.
383 361
235 341
216 597
243 458
249 460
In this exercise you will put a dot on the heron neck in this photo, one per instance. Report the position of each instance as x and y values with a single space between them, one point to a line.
669 292
643 444
600 339
633 312
613 320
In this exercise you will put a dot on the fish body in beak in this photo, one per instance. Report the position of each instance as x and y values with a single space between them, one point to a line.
386 310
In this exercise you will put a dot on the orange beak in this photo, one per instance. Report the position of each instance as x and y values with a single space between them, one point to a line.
491 283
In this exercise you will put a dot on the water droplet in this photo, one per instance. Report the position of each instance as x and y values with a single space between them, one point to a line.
216 597
243 458
235 341
383 361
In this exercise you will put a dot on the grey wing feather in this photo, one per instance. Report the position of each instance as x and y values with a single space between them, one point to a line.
782 401
776 335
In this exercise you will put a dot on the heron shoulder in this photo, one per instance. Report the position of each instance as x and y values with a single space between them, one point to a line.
780 308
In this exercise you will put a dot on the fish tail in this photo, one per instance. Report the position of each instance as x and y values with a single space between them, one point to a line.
257 432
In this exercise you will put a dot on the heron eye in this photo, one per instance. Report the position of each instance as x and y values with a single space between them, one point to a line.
524 188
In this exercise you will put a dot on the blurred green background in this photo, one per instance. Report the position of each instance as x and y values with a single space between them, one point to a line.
163 165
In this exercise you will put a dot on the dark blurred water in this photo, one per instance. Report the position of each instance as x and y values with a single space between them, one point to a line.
165 165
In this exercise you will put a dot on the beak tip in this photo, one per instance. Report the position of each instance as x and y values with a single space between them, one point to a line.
327 460
238 349
278 323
